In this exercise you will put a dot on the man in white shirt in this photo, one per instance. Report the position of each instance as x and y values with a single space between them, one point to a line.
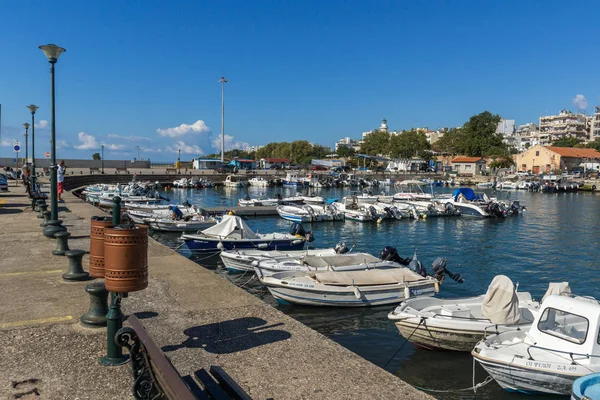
60 177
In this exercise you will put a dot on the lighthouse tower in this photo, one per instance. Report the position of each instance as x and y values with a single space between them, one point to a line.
383 127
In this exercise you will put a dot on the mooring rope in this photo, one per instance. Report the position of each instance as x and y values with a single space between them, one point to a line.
406 341
474 388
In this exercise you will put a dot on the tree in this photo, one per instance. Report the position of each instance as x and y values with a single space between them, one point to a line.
96 156
344 151
594 145
479 137
502 162
376 142
409 144
450 142
565 142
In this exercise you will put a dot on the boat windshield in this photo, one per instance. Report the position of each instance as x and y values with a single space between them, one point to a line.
564 325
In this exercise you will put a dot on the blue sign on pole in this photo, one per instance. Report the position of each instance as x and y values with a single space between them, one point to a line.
17 148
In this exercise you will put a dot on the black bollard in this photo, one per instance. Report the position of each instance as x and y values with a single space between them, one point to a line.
46 217
114 321
76 272
96 316
62 243
42 208
38 203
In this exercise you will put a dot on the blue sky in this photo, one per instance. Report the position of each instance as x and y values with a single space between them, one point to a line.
145 73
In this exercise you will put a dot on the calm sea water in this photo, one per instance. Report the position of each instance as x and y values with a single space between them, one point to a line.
555 240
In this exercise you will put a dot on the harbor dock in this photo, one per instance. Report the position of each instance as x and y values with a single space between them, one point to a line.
196 317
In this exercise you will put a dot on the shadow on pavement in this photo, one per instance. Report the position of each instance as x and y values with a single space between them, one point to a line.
4 210
231 336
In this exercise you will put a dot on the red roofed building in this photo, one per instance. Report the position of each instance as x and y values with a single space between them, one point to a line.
468 165
544 159
266 163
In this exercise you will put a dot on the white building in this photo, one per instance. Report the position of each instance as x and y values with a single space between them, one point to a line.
595 126
564 125
349 143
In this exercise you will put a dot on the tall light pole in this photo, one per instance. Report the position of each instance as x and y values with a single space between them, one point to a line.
179 161
32 108
26 125
102 158
223 81
52 52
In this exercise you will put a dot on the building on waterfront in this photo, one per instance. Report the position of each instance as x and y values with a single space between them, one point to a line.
406 164
332 162
507 128
348 143
241 163
564 125
469 165
267 163
595 125
544 159
206 163
434 136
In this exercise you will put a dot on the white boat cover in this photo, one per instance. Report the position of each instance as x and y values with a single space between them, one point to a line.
559 288
500 303
231 224
339 260
367 278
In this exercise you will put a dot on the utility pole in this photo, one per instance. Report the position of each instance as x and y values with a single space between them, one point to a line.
223 81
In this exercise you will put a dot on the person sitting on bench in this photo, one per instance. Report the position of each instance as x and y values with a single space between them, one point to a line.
177 214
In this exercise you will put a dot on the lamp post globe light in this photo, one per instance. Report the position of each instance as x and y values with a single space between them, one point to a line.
26 125
52 52
32 108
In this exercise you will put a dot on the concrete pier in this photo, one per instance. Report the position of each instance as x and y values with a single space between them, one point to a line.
196 316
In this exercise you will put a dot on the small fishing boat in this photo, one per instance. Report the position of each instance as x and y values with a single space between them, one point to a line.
310 213
371 287
458 324
312 199
242 260
233 233
234 181
471 204
560 346
293 179
192 224
258 202
258 182
586 388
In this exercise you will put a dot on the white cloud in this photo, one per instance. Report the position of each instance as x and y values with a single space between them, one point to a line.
185 148
42 124
114 147
61 144
184 129
8 142
580 102
133 138
88 141
230 144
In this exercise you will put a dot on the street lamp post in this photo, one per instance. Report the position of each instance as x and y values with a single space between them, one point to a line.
179 161
32 108
52 52
102 159
223 81
26 125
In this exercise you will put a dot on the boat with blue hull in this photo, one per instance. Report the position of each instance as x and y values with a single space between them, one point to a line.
586 387
233 233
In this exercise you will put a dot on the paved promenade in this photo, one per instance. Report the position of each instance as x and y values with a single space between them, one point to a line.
197 317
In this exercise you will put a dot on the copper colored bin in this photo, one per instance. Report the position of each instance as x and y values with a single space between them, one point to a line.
97 245
126 258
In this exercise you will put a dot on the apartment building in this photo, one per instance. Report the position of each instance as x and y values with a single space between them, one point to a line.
564 125
595 125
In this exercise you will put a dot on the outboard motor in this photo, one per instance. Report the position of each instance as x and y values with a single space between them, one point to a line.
297 229
341 248
497 210
247 197
373 212
439 268
515 207
450 209
187 204
417 266
390 253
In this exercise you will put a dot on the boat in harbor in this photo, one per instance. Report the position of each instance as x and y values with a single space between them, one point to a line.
233 233
370 287
310 213
458 324
140 215
258 182
191 224
234 181
560 346
294 179
471 204
586 388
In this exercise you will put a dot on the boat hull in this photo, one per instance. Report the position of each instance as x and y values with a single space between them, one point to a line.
201 245
433 338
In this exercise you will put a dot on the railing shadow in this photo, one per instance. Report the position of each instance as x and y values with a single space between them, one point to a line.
231 336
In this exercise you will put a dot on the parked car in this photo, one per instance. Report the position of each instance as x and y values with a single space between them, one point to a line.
522 173
318 168
226 169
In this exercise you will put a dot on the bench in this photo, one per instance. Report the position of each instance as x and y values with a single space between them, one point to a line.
34 194
92 170
155 377
121 170
173 170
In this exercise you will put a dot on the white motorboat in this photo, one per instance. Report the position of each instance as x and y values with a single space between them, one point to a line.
182 183
506 185
371 287
233 233
258 182
192 224
560 346
310 213
458 324
362 198
356 212
320 263
259 202
234 181
241 260
485 185
312 199
294 179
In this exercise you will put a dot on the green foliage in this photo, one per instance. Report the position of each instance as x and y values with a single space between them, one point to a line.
502 162
409 144
344 151
96 156
298 152
565 142
594 145
376 142
476 138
